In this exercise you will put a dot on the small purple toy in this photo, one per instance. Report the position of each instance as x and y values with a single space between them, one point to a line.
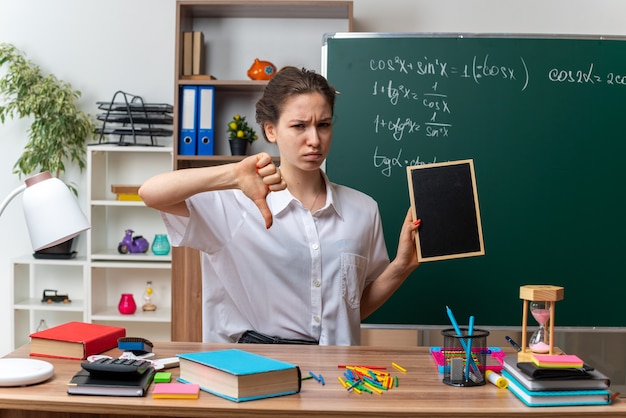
130 244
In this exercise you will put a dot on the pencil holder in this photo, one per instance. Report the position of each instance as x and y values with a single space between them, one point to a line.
465 357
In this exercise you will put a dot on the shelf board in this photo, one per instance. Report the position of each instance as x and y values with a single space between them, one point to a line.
130 148
269 9
35 304
123 203
163 314
253 86
151 260
216 159
77 261
204 160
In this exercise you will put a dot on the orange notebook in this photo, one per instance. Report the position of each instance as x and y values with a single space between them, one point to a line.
75 340
176 390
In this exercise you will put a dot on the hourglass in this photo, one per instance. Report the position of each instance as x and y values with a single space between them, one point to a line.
147 297
540 341
540 301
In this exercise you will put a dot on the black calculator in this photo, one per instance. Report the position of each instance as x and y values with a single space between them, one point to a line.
117 367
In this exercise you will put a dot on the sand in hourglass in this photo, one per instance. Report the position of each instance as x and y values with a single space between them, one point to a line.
539 342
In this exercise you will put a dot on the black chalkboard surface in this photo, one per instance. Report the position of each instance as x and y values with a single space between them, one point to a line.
444 197
543 120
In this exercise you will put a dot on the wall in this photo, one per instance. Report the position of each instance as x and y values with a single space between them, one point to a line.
98 47
102 47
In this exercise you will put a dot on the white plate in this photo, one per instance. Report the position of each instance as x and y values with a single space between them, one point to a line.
24 371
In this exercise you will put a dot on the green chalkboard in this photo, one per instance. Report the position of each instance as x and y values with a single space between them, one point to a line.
543 119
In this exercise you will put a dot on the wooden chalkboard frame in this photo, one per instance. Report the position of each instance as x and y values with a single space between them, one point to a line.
445 197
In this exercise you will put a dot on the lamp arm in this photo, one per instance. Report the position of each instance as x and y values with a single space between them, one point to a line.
10 197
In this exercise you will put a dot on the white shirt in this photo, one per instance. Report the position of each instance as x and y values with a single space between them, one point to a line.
302 278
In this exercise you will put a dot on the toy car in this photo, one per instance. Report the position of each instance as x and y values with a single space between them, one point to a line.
50 296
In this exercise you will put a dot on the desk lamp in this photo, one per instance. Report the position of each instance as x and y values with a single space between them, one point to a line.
52 217
540 301
51 211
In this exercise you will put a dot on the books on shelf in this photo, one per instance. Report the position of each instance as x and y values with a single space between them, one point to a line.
556 397
197 59
75 340
589 379
84 384
187 53
239 375
193 56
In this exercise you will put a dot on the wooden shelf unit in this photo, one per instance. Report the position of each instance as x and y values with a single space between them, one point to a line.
235 26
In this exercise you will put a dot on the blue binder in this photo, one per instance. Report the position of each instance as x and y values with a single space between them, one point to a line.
188 137
205 114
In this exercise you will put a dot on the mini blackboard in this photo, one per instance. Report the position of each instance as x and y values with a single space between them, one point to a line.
445 198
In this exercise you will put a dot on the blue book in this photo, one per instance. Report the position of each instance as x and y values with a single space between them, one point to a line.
239 375
556 397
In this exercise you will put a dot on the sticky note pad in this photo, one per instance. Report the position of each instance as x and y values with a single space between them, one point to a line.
557 361
162 377
176 391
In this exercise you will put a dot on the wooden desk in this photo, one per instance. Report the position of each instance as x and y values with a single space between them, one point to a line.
420 393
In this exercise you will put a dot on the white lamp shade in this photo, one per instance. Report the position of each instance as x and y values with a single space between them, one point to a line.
51 211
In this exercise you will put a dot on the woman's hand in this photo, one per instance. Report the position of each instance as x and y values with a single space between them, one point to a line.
257 175
407 250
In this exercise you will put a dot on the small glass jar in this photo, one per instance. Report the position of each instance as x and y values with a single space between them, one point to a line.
160 245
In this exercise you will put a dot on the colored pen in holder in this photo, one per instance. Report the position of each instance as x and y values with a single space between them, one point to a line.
464 367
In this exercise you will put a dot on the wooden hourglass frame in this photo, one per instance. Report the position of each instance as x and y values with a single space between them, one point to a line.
544 293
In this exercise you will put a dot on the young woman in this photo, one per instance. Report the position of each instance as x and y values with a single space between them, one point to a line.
285 252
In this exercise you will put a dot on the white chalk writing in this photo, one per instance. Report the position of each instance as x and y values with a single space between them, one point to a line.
399 81
386 164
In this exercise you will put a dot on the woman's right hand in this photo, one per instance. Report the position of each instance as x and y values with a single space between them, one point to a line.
257 175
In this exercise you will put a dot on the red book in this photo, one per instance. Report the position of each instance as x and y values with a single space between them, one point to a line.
75 340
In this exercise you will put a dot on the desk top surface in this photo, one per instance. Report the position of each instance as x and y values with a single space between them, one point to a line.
420 391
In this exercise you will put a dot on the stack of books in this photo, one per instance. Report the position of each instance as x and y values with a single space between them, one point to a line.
556 384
